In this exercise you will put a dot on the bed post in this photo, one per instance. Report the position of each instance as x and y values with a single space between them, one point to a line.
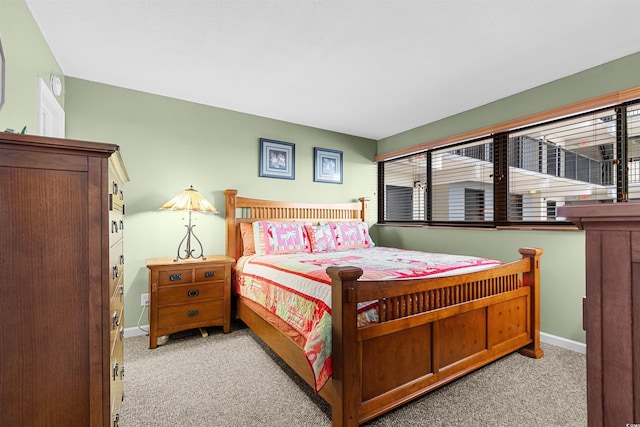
230 214
345 346
532 279
364 208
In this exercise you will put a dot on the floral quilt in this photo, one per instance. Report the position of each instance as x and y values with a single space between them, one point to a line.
296 288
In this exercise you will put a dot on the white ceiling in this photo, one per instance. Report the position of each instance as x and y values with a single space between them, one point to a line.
371 68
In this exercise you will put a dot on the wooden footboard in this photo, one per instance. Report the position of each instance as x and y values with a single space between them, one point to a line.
431 332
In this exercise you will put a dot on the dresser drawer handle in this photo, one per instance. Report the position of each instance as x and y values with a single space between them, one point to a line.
208 274
193 313
116 420
193 293
115 273
121 225
116 369
116 320
175 277
114 226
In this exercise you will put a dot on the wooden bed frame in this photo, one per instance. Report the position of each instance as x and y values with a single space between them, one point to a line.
431 331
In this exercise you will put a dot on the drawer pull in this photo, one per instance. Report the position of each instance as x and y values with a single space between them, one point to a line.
116 369
193 293
193 313
121 225
115 273
114 188
114 226
208 274
121 259
116 420
175 277
116 320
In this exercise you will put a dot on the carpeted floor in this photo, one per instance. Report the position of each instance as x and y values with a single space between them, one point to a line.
234 380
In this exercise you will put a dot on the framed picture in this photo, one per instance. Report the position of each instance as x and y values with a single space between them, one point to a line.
327 165
277 159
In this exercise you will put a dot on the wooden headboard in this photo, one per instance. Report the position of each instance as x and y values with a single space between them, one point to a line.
243 209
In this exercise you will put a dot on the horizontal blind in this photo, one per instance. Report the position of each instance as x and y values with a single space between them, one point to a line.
405 183
633 150
569 161
462 182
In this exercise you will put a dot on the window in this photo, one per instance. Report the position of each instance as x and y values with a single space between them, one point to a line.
405 183
519 176
461 182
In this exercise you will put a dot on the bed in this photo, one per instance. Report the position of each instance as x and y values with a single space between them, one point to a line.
428 332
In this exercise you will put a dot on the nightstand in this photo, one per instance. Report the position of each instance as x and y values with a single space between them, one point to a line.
188 294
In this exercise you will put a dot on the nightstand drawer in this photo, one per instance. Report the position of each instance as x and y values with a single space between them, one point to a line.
190 293
175 277
207 274
208 311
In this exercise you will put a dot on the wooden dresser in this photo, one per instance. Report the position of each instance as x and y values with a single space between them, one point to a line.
611 310
188 294
60 282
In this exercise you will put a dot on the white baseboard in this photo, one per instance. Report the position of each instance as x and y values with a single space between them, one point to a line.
563 342
136 331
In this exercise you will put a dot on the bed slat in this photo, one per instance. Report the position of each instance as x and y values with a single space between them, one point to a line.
405 305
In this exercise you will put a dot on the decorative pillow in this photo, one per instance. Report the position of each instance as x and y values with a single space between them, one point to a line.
321 238
246 231
351 235
272 238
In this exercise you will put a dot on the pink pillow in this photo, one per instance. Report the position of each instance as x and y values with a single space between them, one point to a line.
272 238
321 238
351 235
248 246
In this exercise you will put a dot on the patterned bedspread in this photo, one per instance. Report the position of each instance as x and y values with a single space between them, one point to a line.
296 288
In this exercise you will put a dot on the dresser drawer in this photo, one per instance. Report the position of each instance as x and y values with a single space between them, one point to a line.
175 277
116 197
176 315
116 267
116 227
116 322
190 293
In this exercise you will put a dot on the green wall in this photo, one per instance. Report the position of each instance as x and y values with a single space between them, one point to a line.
604 79
168 145
27 57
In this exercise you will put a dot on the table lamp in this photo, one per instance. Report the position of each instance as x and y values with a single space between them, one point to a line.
191 201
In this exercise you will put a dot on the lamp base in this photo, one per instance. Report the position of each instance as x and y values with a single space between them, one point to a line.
188 252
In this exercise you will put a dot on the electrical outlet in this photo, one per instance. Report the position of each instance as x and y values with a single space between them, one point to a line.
144 300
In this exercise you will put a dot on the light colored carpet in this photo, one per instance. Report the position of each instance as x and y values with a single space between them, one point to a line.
234 380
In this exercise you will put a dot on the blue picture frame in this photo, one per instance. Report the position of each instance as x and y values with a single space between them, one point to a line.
327 165
277 159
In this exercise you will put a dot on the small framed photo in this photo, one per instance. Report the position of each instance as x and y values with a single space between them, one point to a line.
327 165
277 159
